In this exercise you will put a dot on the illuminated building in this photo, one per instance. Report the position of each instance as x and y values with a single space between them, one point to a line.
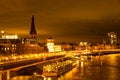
57 48
112 37
9 43
8 36
50 44
52 47
83 43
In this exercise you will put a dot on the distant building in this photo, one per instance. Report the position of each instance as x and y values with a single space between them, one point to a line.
9 43
112 38
65 46
57 48
8 36
50 44
52 47
83 45
30 45
12 44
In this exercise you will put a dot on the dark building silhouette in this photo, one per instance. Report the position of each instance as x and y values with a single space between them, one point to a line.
33 32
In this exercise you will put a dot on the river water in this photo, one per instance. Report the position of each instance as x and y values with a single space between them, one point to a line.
106 67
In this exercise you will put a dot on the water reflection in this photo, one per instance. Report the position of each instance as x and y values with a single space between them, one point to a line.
105 67
20 78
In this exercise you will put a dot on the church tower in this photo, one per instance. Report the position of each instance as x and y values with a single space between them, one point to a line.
33 32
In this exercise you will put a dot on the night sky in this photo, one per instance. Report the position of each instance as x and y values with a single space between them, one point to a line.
64 20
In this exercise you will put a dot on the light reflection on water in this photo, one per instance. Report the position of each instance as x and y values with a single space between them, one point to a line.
106 67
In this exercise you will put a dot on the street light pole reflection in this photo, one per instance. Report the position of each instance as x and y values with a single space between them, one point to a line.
82 64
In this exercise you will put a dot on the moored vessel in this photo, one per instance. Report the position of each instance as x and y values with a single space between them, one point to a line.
56 69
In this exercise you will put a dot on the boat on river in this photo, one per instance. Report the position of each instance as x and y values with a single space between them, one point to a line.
58 68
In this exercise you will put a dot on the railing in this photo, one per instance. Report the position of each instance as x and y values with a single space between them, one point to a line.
16 58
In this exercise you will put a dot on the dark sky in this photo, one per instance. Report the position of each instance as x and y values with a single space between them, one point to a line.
64 20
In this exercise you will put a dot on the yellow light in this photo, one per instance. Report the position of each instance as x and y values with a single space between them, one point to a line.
77 61
6 58
2 32
21 57
35 74
10 36
5 49
82 64
82 58
14 57
31 55
27 56
49 78
36 55
16 37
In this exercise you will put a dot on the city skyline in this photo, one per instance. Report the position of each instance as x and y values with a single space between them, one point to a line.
70 20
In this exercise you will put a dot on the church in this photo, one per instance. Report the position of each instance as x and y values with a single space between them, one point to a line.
12 44
30 44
